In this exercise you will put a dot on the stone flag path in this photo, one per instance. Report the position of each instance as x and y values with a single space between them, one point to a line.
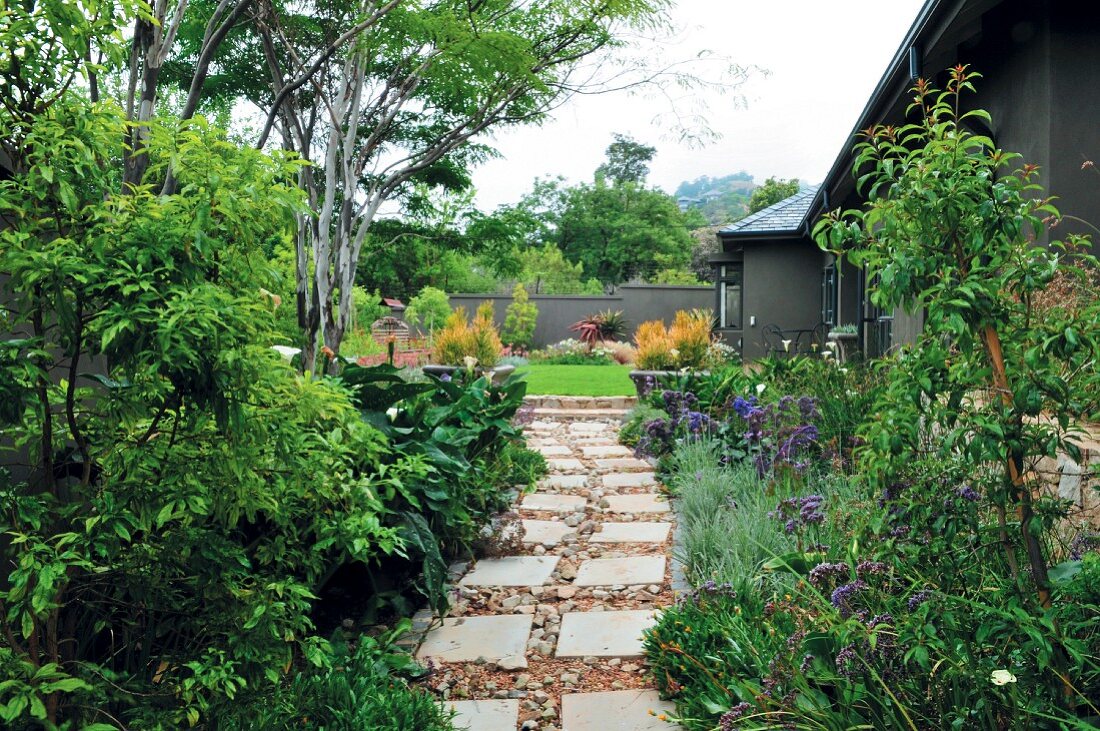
547 636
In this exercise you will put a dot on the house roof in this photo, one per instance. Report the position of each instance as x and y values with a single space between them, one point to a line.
786 216
393 303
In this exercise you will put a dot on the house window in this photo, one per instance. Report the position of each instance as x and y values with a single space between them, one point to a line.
828 295
730 278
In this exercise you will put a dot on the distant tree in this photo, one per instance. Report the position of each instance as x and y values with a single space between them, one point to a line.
620 231
519 320
627 161
771 192
546 271
429 309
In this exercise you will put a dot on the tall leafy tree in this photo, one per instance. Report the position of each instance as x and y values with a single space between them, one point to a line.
627 161
771 192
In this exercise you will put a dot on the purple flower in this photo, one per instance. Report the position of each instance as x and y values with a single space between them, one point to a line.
725 723
743 407
845 660
843 595
870 568
825 574
807 663
446 377
919 598
968 493
1084 543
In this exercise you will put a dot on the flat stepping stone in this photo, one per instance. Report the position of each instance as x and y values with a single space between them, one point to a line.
616 710
631 533
630 479
582 427
512 571
624 571
465 639
603 634
546 532
553 503
494 715
554 450
564 482
542 425
616 450
623 463
566 464
641 503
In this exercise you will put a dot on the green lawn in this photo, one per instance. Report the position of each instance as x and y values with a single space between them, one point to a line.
578 380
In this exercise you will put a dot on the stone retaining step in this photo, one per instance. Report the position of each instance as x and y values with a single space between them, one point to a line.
582 403
581 414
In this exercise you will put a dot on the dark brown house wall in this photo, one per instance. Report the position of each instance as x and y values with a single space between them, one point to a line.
782 287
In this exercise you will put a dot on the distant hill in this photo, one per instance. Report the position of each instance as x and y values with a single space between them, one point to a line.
721 200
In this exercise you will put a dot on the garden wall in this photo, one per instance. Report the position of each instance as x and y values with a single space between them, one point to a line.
639 302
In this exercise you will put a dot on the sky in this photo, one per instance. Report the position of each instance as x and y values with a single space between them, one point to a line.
822 58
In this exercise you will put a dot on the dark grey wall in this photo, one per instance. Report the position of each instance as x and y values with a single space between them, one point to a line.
557 312
782 287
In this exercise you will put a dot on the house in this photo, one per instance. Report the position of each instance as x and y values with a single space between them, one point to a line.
1040 60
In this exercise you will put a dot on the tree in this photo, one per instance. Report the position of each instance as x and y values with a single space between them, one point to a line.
430 308
995 379
627 161
623 231
519 320
771 192
546 271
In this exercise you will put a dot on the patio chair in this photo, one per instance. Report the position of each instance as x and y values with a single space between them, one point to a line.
771 336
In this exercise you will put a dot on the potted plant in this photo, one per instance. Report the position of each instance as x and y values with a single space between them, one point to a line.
845 337
663 352
472 346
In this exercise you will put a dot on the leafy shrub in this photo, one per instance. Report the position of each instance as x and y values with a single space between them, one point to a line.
429 309
687 344
655 347
520 320
460 340
362 686
574 352
691 337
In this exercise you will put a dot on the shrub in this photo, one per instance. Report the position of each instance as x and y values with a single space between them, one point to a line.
429 309
460 340
362 686
655 347
691 337
574 352
601 327
520 320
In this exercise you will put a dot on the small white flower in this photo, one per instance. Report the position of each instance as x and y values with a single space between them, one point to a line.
760 388
826 354
470 362
787 345
391 412
286 351
832 345
843 370
674 353
1002 677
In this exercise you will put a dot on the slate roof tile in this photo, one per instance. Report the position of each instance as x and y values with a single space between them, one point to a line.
786 215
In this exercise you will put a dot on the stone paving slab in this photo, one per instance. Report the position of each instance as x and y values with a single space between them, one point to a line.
624 571
565 464
546 532
616 710
495 715
631 533
554 450
564 482
542 426
555 503
615 450
465 639
641 503
582 427
630 479
603 634
512 571
623 463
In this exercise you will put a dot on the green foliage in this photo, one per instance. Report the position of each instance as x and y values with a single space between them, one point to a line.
771 192
583 379
468 344
429 309
627 161
362 686
546 271
520 320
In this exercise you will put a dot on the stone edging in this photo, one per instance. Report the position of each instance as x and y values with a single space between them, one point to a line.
581 403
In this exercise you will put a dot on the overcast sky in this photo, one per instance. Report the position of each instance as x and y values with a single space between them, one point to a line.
823 59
